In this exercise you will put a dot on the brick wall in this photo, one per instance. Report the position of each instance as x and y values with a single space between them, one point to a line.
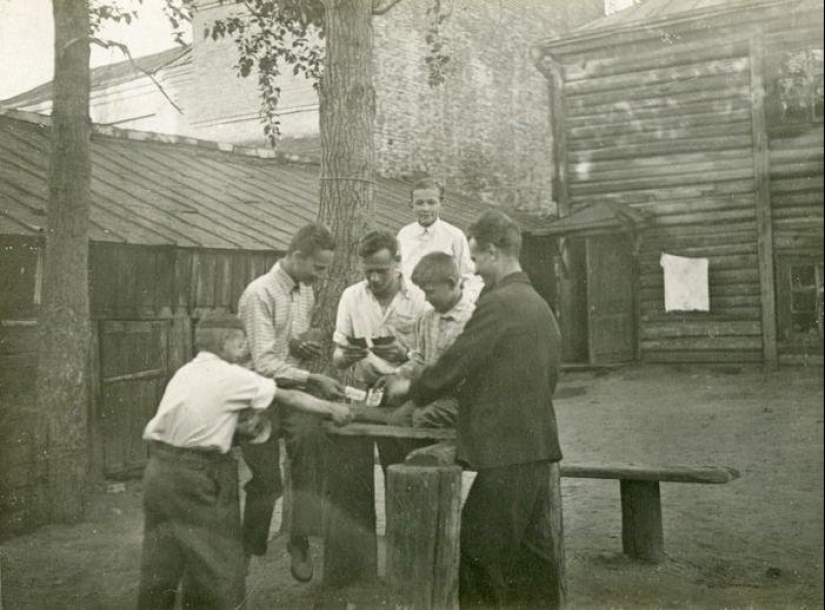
223 106
486 131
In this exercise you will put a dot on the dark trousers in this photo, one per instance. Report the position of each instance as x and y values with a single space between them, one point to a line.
192 531
506 540
305 446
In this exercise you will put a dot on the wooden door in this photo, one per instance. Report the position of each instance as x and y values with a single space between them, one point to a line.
611 310
134 368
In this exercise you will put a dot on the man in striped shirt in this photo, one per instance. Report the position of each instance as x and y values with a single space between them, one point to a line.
276 311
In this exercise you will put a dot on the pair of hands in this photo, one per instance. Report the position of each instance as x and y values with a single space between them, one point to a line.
391 352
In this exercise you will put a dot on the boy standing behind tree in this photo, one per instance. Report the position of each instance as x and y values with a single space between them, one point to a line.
429 233
192 530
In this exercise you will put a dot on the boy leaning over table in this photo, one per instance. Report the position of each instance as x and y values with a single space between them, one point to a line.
192 523
437 275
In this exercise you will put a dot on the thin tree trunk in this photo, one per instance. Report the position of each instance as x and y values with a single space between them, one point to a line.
64 320
347 112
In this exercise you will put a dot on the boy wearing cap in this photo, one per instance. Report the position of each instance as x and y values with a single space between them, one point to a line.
192 528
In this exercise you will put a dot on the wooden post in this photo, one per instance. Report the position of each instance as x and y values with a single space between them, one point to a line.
642 535
350 542
764 222
423 507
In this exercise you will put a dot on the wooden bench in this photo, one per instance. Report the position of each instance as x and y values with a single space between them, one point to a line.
642 533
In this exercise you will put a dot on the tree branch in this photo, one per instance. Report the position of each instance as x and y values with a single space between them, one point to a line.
106 44
377 9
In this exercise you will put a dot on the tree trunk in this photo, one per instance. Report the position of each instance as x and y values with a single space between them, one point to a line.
347 111
62 376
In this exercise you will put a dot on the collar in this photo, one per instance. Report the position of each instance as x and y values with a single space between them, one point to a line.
280 275
517 277
404 288
204 356
422 230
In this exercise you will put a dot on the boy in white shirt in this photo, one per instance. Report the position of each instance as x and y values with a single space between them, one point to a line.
192 530
429 233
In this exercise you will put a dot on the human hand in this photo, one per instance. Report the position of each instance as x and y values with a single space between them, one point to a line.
352 354
304 349
341 414
391 352
326 387
395 388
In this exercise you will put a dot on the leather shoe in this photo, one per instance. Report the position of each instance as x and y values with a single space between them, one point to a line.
301 561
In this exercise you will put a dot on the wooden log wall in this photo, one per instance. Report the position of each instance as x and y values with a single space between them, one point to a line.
666 128
676 119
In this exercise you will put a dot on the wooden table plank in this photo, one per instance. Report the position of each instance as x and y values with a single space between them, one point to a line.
383 431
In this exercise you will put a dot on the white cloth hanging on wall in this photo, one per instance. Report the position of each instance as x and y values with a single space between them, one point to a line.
686 283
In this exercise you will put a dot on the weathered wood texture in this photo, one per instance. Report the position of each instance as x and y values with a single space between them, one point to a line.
668 130
642 533
423 522
671 120
382 431
162 287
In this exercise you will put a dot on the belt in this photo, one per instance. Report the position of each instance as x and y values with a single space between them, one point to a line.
164 450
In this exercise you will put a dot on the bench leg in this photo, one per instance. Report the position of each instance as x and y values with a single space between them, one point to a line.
642 536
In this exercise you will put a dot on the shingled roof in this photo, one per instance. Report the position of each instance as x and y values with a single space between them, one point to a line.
162 190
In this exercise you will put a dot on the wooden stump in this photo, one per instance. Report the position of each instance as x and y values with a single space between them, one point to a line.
642 536
423 507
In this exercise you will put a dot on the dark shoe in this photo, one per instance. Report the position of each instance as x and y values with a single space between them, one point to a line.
301 564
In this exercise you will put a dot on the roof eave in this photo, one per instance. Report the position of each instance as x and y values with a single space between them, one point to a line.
559 46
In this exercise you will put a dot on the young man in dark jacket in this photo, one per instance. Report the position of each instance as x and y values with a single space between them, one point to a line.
503 369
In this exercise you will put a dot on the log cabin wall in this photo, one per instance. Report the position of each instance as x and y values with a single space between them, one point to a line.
671 119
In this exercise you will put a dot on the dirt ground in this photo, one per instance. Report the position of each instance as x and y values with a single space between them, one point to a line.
754 543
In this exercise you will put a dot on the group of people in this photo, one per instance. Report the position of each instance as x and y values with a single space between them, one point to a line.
449 327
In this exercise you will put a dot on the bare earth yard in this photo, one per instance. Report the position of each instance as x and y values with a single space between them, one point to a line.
754 543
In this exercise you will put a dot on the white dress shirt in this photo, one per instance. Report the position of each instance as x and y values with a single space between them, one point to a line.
415 240
199 409
360 315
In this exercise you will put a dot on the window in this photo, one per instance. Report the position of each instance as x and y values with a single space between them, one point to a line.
801 303
797 87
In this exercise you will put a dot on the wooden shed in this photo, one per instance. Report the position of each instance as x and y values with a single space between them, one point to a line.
707 116
178 228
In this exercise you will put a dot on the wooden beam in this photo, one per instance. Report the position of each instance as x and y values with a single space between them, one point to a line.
670 474
761 163
558 122
381 431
